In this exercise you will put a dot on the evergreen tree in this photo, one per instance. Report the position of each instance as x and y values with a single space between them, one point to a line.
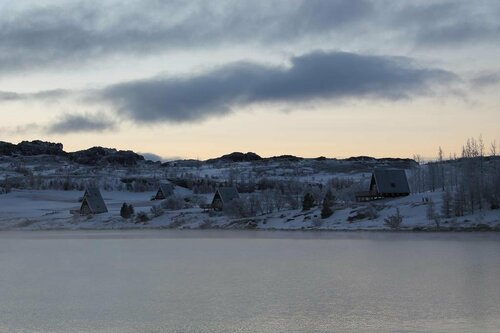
326 211
328 200
308 202
125 211
329 197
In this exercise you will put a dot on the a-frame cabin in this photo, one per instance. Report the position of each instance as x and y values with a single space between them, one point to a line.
386 183
92 202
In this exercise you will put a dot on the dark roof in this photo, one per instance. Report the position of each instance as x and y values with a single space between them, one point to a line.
391 181
94 200
166 189
228 193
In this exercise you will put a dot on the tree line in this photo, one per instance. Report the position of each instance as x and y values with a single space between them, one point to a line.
469 182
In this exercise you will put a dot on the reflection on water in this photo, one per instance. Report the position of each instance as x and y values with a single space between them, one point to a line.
223 281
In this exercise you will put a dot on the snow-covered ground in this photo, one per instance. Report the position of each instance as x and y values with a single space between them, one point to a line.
50 209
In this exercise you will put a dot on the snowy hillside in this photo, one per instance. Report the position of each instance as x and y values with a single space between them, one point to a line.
41 210
40 184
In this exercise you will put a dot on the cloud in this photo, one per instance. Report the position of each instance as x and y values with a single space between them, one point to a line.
20 129
449 23
314 76
486 79
52 34
152 157
6 96
72 123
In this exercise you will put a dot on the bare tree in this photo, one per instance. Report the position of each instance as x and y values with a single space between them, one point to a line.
267 201
279 200
418 174
493 148
441 168
432 215
446 207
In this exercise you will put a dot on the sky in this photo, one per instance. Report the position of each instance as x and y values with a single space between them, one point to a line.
198 79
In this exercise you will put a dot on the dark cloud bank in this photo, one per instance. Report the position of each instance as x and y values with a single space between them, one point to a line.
52 34
318 75
48 35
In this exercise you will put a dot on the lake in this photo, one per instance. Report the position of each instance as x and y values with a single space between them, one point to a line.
248 281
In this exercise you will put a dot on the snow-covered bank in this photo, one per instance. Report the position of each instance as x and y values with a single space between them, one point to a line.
49 210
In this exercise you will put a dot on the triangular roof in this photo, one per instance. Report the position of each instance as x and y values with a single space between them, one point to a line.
166 188
94 200
228 193
391 181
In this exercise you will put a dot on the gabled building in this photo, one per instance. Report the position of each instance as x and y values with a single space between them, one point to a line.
164 191
224 195
92 202
386 183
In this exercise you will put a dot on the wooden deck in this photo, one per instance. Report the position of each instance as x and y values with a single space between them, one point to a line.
368 196
373 195
206 206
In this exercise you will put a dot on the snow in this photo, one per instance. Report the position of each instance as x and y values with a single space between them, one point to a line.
50 209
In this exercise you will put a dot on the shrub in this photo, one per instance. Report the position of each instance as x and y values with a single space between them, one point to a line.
371 212
156 211
173 203
394 221
142 217
326 211
317 222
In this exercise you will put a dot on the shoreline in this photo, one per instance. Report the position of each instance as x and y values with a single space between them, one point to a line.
473 229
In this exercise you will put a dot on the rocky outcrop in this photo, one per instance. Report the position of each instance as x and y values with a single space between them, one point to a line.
91 156
290 158
236 157
37 147
31 148
101 155
7 148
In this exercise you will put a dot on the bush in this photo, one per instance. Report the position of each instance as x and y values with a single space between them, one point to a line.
394 221
156 211
317 222
173 203
326 212
371 212
142 217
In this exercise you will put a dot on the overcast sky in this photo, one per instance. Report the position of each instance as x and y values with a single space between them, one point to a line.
198 79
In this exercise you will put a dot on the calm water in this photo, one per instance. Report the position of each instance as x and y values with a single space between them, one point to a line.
218 281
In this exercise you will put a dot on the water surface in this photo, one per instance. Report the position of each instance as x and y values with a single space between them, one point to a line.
239 281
